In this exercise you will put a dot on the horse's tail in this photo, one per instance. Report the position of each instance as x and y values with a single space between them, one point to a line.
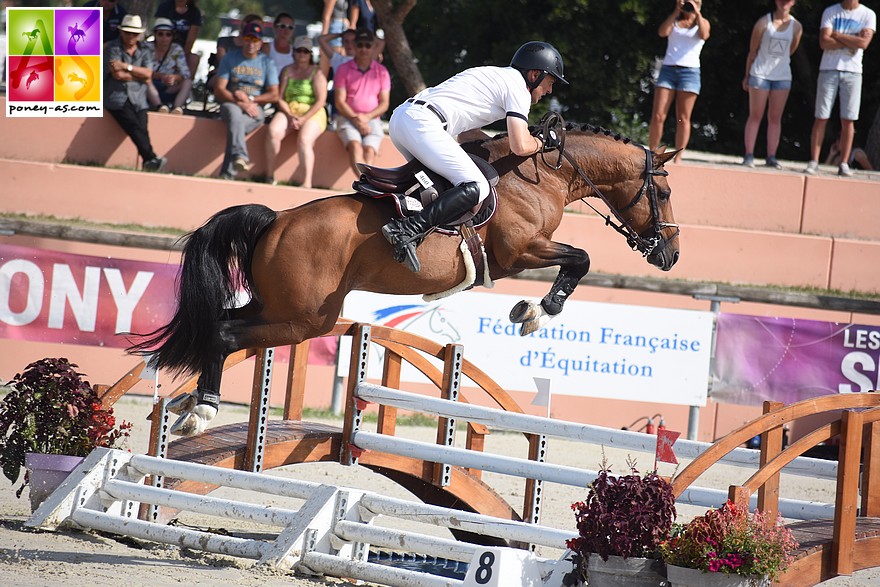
216 262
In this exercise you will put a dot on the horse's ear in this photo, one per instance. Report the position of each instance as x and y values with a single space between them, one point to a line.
661 157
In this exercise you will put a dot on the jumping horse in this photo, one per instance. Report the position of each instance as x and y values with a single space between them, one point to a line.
299 264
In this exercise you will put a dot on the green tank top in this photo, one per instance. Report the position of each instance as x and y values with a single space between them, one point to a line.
300 90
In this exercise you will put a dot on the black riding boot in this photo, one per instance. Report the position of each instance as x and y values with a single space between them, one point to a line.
408 233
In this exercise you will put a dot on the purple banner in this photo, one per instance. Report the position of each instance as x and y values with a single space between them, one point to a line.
789 360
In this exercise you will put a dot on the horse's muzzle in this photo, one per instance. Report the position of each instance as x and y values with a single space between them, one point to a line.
664 256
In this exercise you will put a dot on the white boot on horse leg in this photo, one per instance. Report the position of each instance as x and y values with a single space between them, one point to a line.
194 422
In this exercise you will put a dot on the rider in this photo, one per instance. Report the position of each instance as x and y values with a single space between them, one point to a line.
425 127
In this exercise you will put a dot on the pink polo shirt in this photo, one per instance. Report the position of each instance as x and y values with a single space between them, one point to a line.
362 87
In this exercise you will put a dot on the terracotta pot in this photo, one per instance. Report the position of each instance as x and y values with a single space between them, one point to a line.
624 572
46 473
684 577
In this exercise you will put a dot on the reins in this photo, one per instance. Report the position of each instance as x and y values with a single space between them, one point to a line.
645 245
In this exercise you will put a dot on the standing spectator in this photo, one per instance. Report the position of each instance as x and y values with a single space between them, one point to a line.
845 31
362 90
686 30
280 49
363 16
246 81
187 19
111 13
171 83
775 38
128 66
334 19
300 110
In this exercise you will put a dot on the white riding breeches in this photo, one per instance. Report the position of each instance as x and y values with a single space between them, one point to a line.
418 133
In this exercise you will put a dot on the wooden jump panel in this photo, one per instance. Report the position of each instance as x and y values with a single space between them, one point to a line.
813 559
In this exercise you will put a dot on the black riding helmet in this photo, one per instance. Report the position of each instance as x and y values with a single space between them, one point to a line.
538 55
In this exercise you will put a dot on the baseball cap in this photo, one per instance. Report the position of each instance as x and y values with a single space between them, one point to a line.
302 42
364 36
253 29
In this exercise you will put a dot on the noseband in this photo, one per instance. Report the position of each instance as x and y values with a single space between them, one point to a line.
645 243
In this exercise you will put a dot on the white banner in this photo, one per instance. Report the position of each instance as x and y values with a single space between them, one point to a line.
590 350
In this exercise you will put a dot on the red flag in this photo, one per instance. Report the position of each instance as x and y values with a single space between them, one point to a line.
665 440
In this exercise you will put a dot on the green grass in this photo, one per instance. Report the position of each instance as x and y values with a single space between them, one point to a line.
138 228
371 417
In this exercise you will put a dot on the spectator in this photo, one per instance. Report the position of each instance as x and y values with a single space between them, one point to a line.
857 156
128 66
686 30
187 19
333 56
775 37
171 83
845 31
363 16
300 110
111 13
280 49
334 19
246 81
362 89
227 44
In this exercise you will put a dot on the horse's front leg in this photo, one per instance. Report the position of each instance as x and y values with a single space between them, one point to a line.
198 408
573 264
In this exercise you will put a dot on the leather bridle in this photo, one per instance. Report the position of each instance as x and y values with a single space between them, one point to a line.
647 242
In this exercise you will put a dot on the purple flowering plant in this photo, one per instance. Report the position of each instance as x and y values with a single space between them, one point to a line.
51 409
730 540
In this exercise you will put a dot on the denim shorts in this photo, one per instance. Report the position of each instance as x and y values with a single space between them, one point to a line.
828 85
759 83
683 79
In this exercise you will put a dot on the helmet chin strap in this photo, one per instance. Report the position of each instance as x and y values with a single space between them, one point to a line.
532 85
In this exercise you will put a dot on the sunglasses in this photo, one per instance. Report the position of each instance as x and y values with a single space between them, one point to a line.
301 50
364 45
288 27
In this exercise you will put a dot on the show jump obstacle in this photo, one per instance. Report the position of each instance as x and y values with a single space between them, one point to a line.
329 530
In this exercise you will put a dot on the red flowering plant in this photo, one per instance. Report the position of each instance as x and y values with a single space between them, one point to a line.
730 540
626 516
52 410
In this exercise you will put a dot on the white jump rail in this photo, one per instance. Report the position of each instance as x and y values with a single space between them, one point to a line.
504 420
330 533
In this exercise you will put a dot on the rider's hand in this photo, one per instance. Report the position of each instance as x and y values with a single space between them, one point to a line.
550 142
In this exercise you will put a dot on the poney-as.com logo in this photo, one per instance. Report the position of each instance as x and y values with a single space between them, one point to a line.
53 62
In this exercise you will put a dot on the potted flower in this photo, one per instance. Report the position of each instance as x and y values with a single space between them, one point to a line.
51 410
729 547
621 524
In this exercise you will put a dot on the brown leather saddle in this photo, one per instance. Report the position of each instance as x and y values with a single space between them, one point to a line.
413 186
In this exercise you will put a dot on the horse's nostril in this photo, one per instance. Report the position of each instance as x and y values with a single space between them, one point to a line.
675 257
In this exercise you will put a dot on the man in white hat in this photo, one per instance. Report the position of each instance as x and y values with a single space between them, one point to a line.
128 68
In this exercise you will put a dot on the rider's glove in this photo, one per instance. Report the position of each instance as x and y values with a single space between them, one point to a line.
550 141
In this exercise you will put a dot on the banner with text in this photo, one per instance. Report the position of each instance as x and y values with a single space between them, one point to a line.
590 350
788 360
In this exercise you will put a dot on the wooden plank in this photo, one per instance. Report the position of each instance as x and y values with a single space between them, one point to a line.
296 381
390 378
871 471
771 446
849 459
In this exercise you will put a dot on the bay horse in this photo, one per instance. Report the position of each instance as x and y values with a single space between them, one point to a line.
299 264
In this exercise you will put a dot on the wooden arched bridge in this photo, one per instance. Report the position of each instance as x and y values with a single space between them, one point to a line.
829 547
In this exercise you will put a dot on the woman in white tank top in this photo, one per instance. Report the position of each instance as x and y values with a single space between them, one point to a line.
679 79
768 77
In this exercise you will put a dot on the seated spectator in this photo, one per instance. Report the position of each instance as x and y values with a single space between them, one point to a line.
128 67
362 90
171 84
246 81
332 56
187 19
227 44
280 49
300 110
111 13
857 157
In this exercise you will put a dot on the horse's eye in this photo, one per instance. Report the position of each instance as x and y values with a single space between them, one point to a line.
664 194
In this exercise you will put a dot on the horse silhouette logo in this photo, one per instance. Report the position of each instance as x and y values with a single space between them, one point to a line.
76 33
32 35
73 77
34 76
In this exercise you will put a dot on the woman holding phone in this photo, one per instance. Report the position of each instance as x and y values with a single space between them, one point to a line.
686 30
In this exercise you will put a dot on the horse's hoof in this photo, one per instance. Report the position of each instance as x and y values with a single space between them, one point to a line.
194 422
182 404
524 311
534 325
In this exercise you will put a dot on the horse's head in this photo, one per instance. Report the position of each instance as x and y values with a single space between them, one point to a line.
633 183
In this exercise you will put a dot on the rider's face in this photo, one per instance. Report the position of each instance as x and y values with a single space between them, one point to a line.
544 88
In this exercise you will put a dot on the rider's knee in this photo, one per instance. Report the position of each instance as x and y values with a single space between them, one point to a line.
481 187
